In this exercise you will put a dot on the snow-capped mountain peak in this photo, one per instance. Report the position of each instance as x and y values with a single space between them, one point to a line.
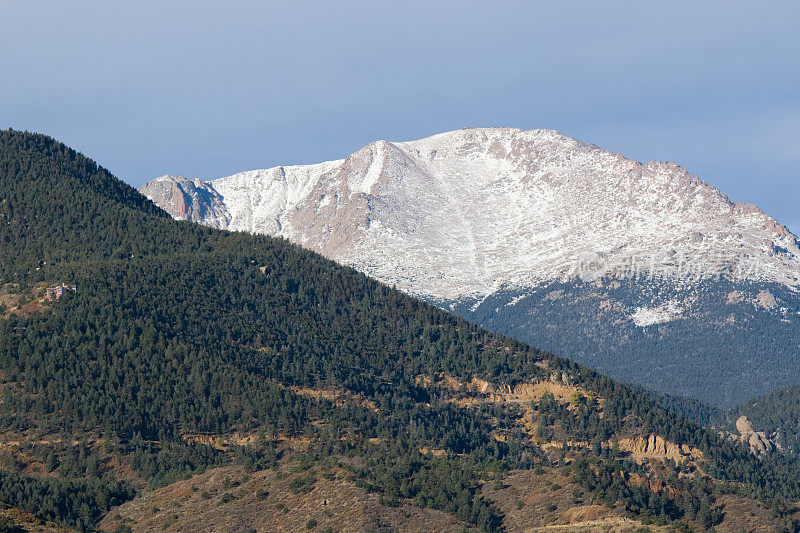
464 213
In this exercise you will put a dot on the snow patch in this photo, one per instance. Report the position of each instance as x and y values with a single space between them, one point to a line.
516 299
648 316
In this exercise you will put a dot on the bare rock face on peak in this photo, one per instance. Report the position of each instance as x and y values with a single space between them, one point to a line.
489 222
187 199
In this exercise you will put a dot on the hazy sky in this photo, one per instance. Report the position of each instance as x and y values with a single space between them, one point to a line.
207 89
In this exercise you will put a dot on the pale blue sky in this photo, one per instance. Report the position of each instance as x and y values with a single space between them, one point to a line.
205 89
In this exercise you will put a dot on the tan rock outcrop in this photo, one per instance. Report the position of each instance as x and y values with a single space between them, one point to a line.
766 300
655 447
757 440
735 297
482 386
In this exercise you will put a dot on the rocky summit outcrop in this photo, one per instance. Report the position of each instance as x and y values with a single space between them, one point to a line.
186 199
757 440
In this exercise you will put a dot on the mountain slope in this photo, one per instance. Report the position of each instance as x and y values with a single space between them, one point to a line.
530 232
186 349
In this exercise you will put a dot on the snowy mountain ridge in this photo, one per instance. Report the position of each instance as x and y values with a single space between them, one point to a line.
465 213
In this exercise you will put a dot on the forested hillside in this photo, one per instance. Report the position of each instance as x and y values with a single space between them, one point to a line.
185 348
